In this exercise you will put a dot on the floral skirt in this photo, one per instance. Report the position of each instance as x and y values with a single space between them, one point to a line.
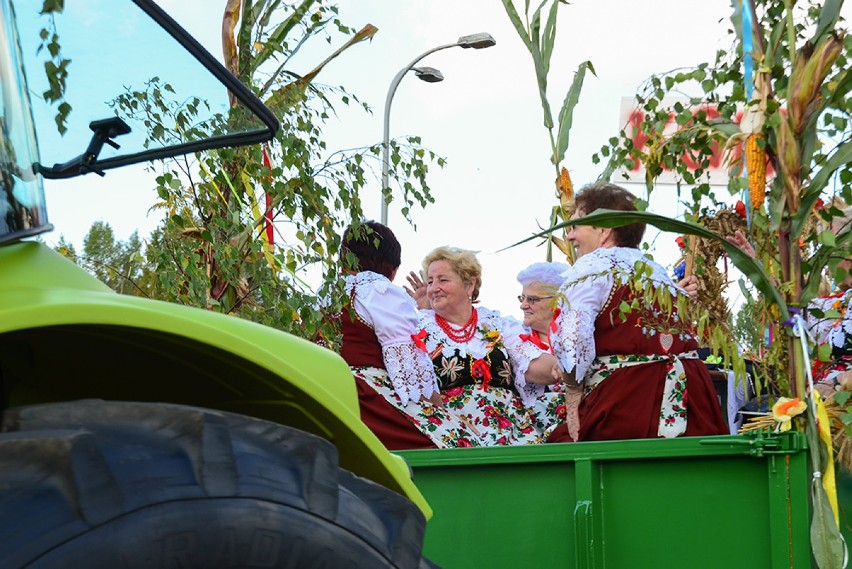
473 416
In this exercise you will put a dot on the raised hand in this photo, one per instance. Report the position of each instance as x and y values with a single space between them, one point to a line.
417 289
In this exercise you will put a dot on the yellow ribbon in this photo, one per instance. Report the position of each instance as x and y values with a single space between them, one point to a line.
828 481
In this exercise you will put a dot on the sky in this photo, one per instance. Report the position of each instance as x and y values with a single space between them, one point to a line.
485 118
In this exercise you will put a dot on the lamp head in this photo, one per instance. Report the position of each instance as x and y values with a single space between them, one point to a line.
477 41
428 74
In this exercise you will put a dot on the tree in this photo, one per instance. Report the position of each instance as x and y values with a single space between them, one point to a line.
118 264
244 227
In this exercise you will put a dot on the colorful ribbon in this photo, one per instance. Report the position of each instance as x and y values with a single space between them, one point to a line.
418 340
481 370
535 340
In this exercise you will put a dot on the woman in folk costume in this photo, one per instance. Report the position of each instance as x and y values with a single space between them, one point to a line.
540 284
377 327
634 358
490 378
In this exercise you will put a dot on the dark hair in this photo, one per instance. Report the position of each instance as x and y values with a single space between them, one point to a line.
609 196
374 246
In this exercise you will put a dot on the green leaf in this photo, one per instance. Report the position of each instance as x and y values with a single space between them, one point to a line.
841 397
275 39
827 238
829 13
840 85
549 36
824 352
518 23
826 542
541 69
566 114
839 158
819 261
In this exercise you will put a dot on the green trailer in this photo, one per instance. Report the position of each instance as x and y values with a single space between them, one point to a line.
728 501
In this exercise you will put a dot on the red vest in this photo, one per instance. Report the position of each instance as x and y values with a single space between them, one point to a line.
359 347
616 336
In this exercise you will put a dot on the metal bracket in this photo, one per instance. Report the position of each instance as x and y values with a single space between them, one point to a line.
762 442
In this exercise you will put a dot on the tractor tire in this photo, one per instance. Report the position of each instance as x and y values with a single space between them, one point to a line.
140 485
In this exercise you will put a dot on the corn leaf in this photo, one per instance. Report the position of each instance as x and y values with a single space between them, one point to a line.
302 83
276 38
535 37
548 38
541 67
818 262
517 22
840 157
774 42
566 114
262 13
826 541
829 13
245 10
750 267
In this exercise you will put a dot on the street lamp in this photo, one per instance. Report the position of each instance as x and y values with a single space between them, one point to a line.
430 75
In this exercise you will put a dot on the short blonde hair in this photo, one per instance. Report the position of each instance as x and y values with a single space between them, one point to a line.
462 261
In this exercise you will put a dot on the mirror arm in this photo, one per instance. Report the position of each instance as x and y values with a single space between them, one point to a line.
104 131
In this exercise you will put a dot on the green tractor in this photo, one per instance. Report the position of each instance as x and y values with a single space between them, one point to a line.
137 433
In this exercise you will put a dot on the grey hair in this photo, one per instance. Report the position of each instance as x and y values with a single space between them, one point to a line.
548 274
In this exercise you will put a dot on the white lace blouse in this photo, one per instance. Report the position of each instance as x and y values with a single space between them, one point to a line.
520 353
827 329
393 316
583 295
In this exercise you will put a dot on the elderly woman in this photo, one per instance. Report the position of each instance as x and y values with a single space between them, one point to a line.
540 283
377 326
634 357
489 377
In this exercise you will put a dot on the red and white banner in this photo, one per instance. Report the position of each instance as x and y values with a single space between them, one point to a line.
717 173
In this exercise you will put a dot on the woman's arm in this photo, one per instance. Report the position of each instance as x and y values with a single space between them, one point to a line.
540 370
395 321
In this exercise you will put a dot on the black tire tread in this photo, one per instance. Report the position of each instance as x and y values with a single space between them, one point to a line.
87 463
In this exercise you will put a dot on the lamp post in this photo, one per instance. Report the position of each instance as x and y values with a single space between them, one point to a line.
430 75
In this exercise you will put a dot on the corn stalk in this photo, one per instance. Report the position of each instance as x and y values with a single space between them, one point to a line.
539 41
796 123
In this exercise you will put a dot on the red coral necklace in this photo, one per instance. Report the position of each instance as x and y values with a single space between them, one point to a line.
459 335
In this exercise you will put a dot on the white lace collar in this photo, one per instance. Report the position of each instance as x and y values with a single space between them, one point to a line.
366 279
619 262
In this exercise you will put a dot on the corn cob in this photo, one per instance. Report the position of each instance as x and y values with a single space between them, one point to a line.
564 189
755 152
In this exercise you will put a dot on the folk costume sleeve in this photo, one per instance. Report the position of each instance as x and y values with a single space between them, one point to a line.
393 316
581 298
